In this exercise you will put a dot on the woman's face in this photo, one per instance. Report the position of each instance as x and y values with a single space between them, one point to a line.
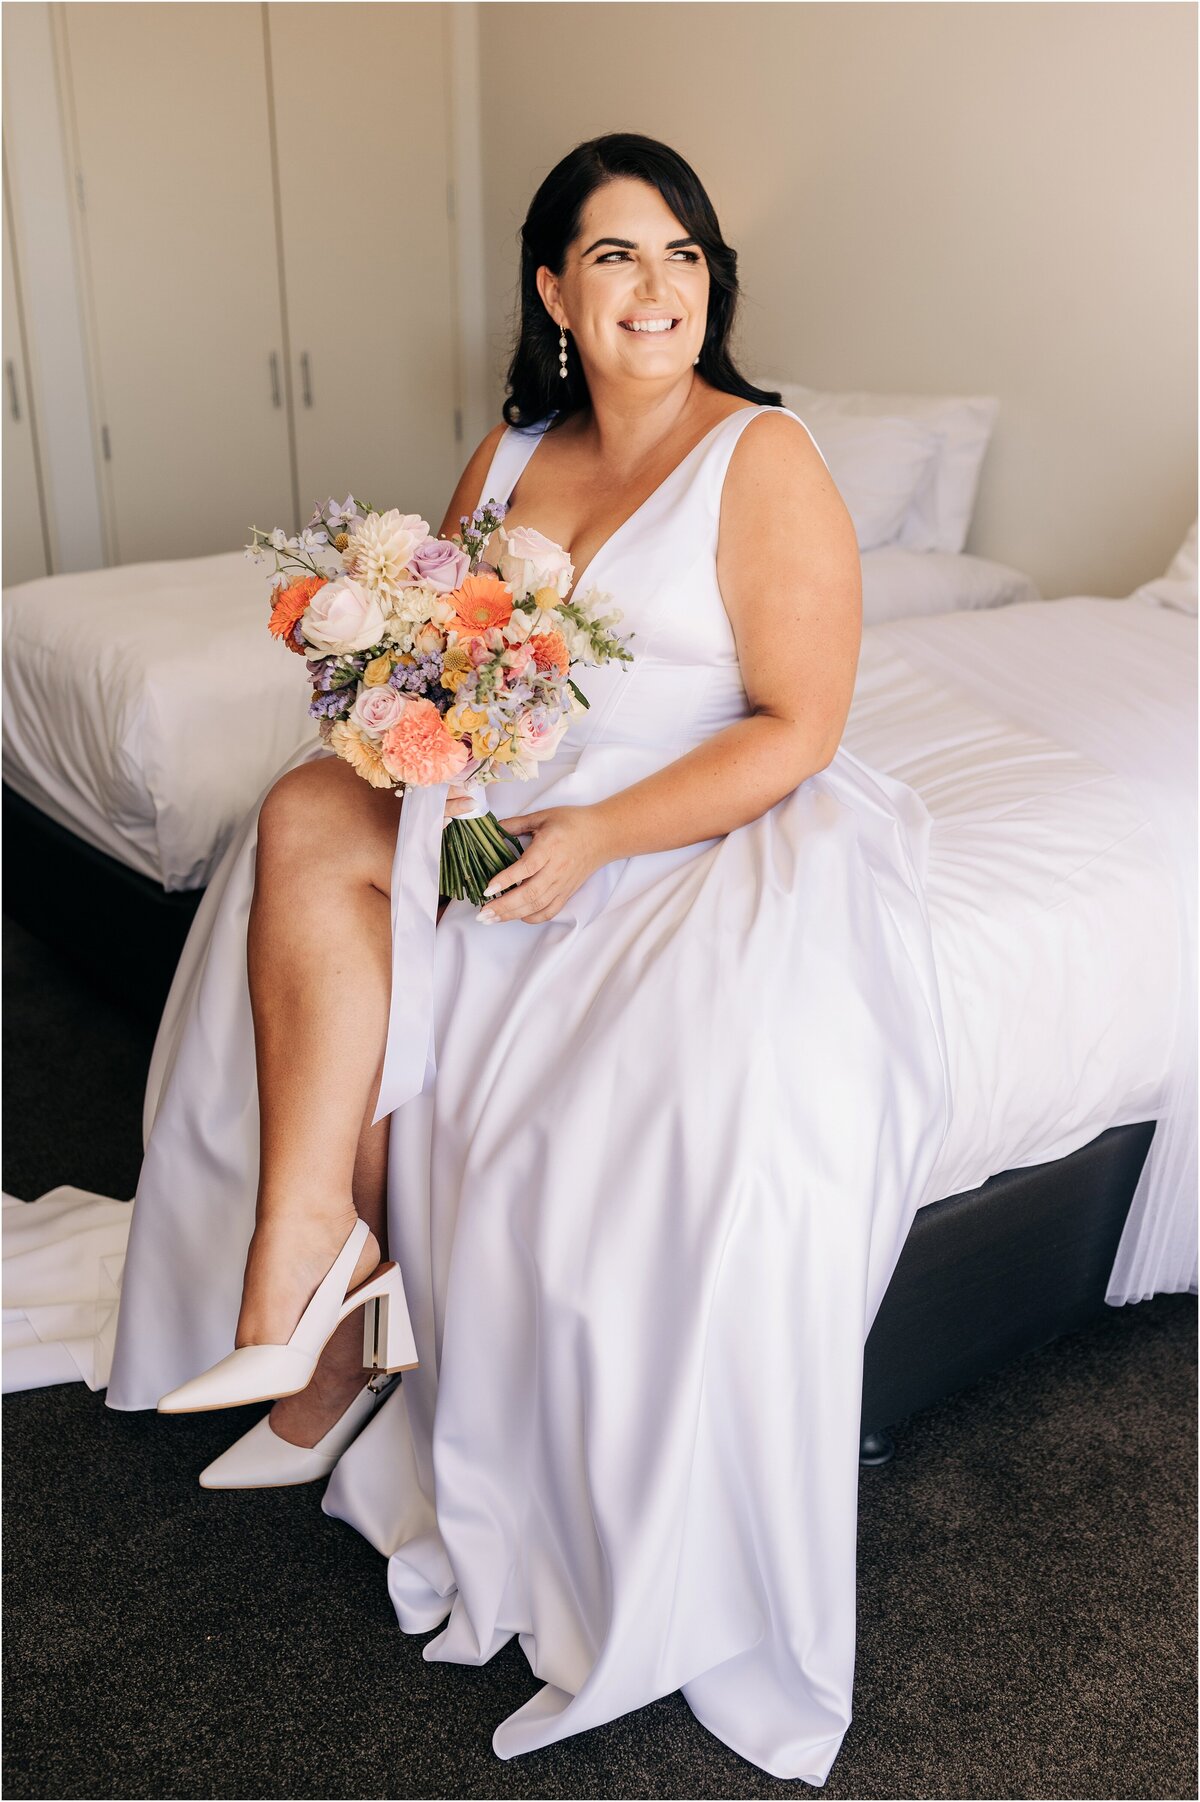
631 262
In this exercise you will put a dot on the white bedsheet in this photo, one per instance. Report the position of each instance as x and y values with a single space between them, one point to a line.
1054 916
146 707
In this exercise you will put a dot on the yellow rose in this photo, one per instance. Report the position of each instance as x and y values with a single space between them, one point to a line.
503 752
377 671
484 742
464 719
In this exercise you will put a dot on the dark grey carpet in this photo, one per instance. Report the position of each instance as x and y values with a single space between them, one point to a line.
1027 1601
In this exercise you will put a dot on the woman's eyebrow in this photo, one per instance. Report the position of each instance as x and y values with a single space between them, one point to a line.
628 244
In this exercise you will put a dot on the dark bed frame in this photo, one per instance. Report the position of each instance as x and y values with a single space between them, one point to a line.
984 1276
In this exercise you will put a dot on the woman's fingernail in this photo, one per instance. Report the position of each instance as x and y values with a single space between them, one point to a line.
489 894
487 915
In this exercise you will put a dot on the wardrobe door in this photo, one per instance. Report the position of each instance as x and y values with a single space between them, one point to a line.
25 553
364 177
172 128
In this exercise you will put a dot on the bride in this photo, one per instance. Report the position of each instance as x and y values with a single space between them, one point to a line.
679 1103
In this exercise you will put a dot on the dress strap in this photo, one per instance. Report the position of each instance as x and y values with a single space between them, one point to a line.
512 454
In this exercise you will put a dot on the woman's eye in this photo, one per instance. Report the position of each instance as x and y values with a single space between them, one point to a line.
693 256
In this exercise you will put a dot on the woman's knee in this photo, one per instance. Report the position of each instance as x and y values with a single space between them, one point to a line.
323 812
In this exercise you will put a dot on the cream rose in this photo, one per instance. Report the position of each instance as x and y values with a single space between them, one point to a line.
530 560
343 617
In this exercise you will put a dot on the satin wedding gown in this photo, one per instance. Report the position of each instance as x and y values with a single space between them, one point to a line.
646 1204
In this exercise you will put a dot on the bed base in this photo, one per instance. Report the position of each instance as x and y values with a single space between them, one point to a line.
984 1277
122 931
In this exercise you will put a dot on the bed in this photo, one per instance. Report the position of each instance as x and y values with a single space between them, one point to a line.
1049 896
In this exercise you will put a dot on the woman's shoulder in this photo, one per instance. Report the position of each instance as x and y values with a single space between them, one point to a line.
777 488
776 445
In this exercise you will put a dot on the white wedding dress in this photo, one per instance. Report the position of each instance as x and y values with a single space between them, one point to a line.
646 1204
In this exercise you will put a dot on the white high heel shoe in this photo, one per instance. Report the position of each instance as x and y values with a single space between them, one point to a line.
260 1373
260 1459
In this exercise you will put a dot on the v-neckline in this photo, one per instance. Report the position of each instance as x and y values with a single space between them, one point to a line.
700 444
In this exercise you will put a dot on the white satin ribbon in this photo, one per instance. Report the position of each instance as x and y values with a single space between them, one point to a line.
408 1058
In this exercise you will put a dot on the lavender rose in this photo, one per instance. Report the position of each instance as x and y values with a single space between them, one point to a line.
439 564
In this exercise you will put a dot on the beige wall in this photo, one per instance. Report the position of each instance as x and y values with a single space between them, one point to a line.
994 199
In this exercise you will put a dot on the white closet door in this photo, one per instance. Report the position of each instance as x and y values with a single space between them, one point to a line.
363 131
24 535
172 124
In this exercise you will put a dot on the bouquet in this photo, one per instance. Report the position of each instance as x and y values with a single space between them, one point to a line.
429 665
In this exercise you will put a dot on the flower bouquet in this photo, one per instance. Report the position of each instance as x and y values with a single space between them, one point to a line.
429 665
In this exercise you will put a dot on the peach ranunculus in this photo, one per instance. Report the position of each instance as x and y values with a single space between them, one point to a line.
480 603
549 651
290 605
419 749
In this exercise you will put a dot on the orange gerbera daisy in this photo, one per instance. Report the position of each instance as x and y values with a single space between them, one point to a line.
290 604
479 603
549 651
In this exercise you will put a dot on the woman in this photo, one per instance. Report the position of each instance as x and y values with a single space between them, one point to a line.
641 1228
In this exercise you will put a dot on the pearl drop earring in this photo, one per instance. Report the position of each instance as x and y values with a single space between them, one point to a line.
562 352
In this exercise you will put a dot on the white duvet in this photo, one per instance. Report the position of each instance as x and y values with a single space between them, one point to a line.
1054 916
146 707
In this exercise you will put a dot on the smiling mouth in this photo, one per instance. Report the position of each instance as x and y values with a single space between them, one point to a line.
649 328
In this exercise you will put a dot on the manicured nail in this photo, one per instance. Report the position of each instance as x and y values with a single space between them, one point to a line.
487 915
489 894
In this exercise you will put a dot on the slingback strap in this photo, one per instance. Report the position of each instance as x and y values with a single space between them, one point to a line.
313 1328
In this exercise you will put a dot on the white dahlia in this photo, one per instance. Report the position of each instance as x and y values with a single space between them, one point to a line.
379 549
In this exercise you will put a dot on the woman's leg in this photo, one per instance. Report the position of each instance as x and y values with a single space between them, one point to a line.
318 961
319 966
308 1416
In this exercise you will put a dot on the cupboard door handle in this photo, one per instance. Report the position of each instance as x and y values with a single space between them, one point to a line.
305 379
276 394
14 405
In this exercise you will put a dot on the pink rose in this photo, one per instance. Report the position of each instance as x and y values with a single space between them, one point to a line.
378 708
343 616
439 564
541 745
530 561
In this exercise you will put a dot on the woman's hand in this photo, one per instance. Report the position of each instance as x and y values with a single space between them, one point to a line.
458 801
568 844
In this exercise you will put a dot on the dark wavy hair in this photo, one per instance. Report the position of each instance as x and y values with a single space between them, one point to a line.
535 387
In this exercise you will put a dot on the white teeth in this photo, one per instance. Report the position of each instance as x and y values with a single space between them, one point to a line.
647 325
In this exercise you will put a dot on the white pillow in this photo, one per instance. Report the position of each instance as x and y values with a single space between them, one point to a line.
878 465
1177 588
940 515
903 584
